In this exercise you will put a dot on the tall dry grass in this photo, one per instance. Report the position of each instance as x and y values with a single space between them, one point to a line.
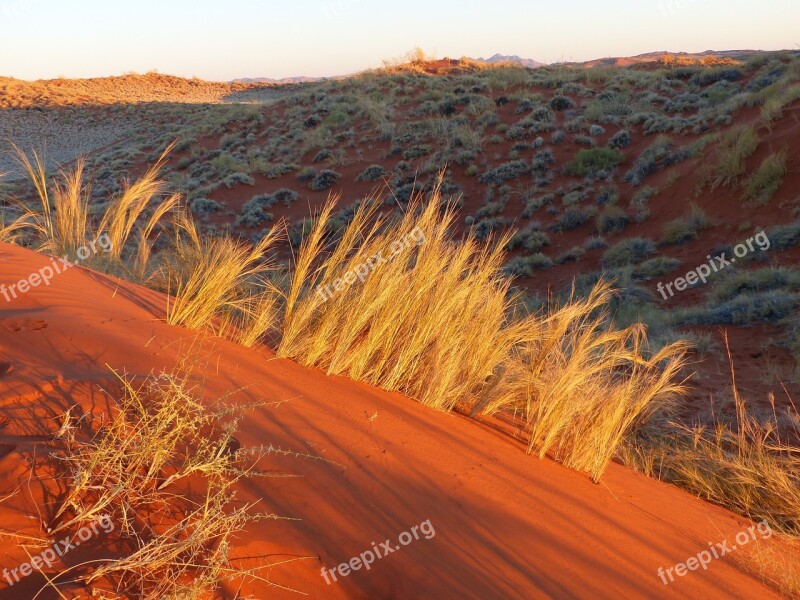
747 465
436 322
428 315
133 470
219 283
61 223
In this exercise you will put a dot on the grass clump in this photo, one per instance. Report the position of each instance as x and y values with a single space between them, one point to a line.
761 186
592 161
745 464
134 471
687 227
628 252
435 324
733 150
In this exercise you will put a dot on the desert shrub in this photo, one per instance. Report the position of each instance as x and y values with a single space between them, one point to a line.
655 267
705 77
572 255
573 217
274 171
584 140
307 174
628 252
372 173
766 180
529 238
573 197
783 237
734 284
203 206
733 150
505 172
561 103
416 152
621 139
656 157
235 179
590 162
558 136
595 130
537 202
595 242
133 471
527 265
607 195
324 154
324 180
745 309
542 161
490 209
612 219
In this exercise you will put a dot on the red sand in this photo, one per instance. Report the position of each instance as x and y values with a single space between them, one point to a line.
507 525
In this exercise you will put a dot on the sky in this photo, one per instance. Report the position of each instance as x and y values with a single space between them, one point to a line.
224 40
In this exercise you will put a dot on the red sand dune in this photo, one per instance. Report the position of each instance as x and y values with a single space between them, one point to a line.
506 525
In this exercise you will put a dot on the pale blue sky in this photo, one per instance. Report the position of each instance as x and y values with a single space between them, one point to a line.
222 40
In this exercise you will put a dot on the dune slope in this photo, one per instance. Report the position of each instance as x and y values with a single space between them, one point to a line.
506 525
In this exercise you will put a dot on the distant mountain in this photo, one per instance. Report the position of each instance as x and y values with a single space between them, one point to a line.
284 80
518 60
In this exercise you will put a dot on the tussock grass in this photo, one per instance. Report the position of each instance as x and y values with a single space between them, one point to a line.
734 148
762 185
774 104
746 466
436 323
207 278
61 223
581 385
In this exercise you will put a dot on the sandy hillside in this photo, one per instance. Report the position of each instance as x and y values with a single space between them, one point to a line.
506 525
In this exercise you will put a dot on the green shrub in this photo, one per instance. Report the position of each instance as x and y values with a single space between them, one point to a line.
594 160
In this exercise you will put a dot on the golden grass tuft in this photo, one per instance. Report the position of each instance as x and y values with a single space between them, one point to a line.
745 466
209 282
436 323
60 224
174 542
